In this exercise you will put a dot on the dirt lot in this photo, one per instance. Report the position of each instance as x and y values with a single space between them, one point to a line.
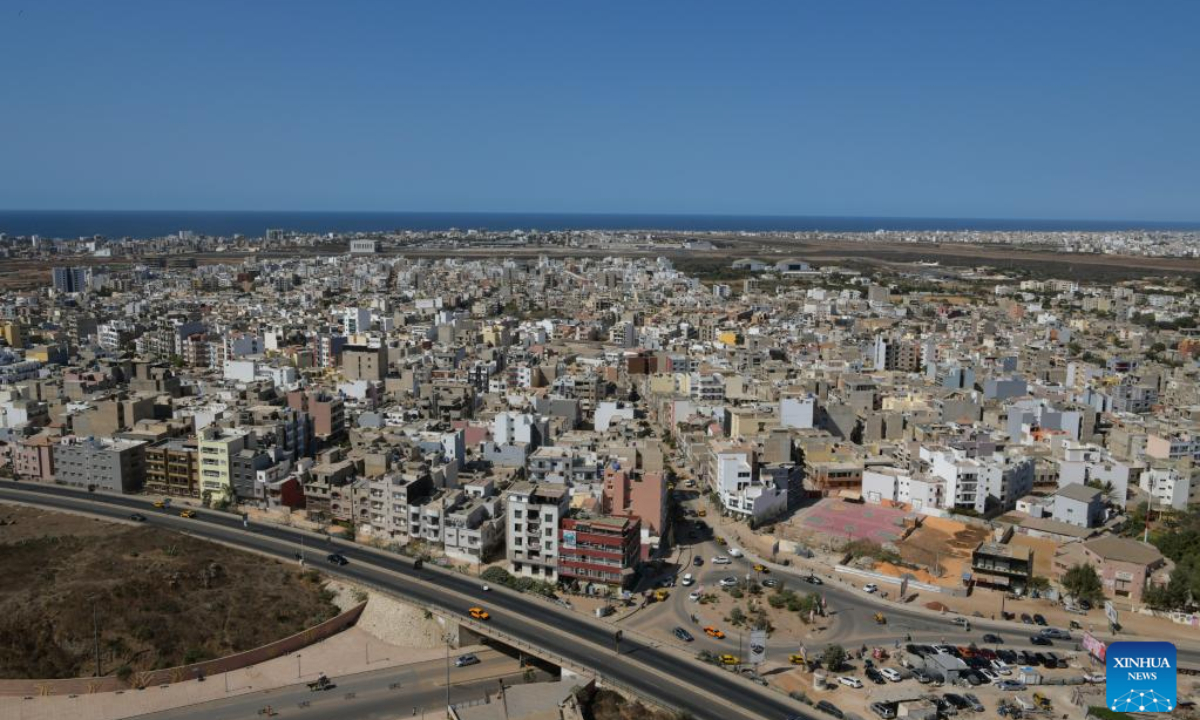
160 599
945 542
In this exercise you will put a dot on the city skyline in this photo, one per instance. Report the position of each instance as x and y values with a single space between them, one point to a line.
944 110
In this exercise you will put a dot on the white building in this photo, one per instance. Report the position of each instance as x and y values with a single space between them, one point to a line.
607 412
532 516
741 488
797 411
1171 486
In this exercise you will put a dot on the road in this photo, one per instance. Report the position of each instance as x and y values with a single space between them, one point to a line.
380 694
670 677
852 610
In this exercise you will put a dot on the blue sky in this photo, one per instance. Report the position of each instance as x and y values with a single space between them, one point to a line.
1012 109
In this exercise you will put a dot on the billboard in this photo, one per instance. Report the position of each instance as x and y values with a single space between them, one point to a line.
758 646
1094 647
568 539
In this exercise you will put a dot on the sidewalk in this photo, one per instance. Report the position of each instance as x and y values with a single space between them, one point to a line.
347 653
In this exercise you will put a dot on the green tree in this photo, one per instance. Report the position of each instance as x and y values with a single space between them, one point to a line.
1083 583
833 657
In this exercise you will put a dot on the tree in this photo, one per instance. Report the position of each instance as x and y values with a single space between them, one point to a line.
1039 584
833 657
1083 583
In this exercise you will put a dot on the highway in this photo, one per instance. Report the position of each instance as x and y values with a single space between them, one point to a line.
376 695
668 676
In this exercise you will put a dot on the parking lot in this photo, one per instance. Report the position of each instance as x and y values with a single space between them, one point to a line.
925 680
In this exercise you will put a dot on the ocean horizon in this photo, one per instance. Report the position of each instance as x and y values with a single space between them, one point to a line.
141 224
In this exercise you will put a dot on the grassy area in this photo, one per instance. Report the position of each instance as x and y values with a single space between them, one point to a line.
1104 713
159 599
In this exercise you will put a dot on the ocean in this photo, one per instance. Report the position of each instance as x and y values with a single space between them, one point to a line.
158 223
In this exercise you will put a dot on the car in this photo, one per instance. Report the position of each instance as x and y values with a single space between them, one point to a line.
830 709
1025 618
336 559
683 635
993 639
1008 656
760 568
1001 667
479 613
1011 685
770 582
870 588
890 674
973 702
137 517
1039 620
721 560
695 596
1085 605
1039 640
960 620
728 582
887 712
702 513
687 579
958 701
944 706
735 552
814 580
922 677
714 632
874 676
727 659
188 514
466 660
989 674
1055 633
1094 677
698 561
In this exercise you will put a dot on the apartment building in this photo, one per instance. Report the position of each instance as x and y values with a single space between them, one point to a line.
217 448
107 464
533 513
173 468
603 549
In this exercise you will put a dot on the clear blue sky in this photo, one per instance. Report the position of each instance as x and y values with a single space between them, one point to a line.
1006 109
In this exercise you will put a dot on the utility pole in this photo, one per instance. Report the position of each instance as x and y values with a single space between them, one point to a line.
96 634
446 637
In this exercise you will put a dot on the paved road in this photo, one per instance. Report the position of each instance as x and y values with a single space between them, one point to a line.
666 675
380 694
852 621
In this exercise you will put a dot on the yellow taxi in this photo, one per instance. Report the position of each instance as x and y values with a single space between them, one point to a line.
187 514
713 632
479 613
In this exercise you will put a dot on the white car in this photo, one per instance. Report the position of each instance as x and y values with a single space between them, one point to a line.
1094 677
871 588
991 675
890 674
687 580
735 552
721 560
695 596
1002 667
850 681
729 582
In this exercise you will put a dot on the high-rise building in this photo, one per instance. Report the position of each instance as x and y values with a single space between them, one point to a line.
70 279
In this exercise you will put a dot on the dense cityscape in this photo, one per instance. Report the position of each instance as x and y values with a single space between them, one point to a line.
769 466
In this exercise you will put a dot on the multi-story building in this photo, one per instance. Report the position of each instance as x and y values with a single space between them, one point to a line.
360 362
217 447
533 513
603 549
1002 566
327 411
33 458
1174 485
106 464
173 468
70 279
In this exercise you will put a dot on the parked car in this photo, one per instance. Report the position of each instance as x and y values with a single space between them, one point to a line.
1025 618
1039 620
687 579
958 701
728 582
874 676
890 674
922 677
973 702
695 596
885 711
683 635
850 681
870 588
830 709
1011 685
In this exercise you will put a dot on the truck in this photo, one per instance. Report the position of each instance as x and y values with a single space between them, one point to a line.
320 684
